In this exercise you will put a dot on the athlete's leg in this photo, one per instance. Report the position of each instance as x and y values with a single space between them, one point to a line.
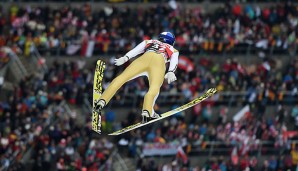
134 69
156 77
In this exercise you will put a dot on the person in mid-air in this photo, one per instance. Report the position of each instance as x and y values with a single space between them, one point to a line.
152 63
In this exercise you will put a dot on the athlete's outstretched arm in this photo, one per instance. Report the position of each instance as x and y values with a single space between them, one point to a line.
170 75
140 48
173 62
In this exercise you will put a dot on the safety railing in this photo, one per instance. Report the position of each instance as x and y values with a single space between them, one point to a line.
219 148
3 72
228 98
213 148
36 57
22 70
243 49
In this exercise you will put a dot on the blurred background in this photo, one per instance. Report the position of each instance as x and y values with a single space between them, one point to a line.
245 48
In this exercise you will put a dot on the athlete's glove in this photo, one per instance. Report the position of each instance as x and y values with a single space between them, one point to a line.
170 76
121 60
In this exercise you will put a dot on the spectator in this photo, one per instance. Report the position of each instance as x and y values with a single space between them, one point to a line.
265 166
272 163
74 31
207 113
294 114
294 154
288 163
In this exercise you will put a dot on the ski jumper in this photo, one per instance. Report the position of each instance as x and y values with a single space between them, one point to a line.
152 63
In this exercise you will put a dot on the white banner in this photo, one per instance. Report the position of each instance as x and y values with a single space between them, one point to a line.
151 149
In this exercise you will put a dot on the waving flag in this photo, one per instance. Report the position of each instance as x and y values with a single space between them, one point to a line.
181 154
185 64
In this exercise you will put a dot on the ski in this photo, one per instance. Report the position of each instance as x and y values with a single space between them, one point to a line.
97 91
192 103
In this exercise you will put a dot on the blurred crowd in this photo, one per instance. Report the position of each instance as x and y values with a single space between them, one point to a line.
33 111
37 127
34 116
269 81
86 31
274 138
270 163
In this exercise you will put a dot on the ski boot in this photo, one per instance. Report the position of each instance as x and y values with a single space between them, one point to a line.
99 105
146 116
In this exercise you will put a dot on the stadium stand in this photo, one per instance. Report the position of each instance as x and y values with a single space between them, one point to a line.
229 28
45 123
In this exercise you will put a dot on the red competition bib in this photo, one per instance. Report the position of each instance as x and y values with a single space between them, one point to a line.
158 47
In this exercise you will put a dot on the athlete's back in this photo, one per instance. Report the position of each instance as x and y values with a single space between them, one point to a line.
159 47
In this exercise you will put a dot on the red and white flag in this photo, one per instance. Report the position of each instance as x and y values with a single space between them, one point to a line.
181 154
90 48
72 49
239 115
185 64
